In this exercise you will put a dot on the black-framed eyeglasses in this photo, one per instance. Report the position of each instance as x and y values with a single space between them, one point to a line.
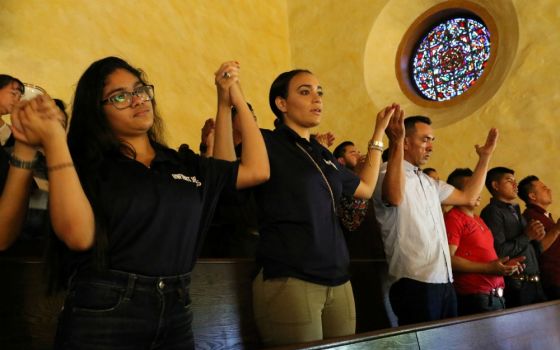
123 99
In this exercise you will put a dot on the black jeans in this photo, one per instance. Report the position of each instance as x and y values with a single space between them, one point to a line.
469 304
414 301
119 310
519 293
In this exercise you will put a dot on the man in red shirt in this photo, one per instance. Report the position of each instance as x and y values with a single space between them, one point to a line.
477 270
538 197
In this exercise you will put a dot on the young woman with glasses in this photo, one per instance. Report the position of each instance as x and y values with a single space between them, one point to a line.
130 210
302 292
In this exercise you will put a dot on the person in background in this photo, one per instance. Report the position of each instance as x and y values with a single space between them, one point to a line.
11 91
233 232
514 237
477 269
15 168
352 211
431 172
538 197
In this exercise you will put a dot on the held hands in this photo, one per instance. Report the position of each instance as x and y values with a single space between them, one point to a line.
226 77
37 121
395 129
535 230
507 267
488 148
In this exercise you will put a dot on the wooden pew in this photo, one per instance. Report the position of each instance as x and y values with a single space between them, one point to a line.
223 315
523 328
220 292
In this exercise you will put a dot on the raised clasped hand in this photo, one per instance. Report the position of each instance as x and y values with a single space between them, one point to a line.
225 77
393 119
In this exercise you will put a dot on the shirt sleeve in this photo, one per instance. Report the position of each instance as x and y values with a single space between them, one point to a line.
5 134
350 181
444 189
496 223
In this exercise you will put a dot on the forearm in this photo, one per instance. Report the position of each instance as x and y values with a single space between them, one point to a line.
223 138
254 167
460 264
393 183
550 237
70 210
475 184
15 198
370 169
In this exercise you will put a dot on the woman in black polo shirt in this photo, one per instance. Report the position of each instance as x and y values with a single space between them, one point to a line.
303 291
132 211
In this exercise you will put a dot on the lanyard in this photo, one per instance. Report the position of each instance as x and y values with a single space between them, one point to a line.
322 174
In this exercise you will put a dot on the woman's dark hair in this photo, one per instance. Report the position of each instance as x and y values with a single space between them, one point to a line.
90 137
8 79
280 87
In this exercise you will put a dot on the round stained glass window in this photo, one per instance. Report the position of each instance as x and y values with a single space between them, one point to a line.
450 58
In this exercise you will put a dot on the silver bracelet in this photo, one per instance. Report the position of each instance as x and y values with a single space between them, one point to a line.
376 145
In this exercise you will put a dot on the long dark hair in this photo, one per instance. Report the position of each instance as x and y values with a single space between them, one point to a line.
279 88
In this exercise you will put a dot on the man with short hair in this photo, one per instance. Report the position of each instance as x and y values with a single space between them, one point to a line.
351 211
11 90
347 154
431 172
514 237
477 269
538 197
408 208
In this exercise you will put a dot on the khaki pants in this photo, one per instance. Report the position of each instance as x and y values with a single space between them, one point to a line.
289 310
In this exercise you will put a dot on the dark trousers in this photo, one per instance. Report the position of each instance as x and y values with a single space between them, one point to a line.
519 293
414 301
117 310
552 291
469 304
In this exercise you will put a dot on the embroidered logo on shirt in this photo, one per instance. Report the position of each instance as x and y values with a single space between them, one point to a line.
330 163
192 179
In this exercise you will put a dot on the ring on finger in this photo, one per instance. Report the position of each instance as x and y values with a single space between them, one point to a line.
226 75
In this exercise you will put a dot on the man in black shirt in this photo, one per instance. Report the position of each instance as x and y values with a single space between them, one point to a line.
514 237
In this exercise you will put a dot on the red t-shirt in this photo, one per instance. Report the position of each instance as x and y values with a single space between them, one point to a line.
550 259
474 242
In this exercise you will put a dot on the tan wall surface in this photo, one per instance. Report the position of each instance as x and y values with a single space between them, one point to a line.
181 43
330 38
178 43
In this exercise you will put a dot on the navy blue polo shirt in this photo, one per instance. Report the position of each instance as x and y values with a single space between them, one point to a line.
155 217
300 234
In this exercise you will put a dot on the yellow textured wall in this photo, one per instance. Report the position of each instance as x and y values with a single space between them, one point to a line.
330 38
178 43
181 43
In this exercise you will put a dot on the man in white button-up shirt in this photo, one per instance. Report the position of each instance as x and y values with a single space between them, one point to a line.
408 208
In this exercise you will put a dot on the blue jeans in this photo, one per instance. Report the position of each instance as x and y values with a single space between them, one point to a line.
414 301
118 310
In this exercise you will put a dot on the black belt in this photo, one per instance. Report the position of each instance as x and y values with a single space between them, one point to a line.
526 278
